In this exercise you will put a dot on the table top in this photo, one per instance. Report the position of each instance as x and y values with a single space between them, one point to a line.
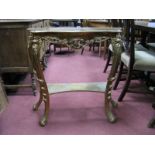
98 20
64 20
75 30
18 20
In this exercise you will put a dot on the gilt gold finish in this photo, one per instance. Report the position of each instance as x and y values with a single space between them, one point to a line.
35 44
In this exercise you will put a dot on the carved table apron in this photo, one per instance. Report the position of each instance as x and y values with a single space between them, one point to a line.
76 38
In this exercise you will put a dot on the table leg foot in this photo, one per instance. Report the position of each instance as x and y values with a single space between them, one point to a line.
43 121
111 117
114 104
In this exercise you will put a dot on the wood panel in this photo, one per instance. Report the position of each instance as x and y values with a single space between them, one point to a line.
13 48
3 97
14 57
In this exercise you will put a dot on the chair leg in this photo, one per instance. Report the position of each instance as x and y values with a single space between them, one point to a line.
152 121
54 49
90 46
118 78
93 47
106 51
108 61
99 49
148 78
126 86
82 50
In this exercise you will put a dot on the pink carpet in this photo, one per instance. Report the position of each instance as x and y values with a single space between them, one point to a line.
77 113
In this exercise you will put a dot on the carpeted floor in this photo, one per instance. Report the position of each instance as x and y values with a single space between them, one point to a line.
80 112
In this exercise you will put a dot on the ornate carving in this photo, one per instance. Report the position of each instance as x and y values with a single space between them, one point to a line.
34 48
33 84
117 46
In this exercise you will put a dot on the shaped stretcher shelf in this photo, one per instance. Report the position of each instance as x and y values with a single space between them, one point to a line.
55 88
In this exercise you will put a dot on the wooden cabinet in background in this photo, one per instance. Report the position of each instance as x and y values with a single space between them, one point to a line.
14 58
3 97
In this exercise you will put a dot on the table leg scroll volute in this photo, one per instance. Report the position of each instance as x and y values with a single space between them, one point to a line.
44 98
34 48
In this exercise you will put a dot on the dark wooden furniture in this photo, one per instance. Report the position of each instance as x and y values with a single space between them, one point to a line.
14 57
3 97
151 123
109 51
69 34
135 58
146 29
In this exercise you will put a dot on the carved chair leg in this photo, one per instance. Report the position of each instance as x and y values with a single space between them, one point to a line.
118 78
54 49
106 51
82 50
33 84
90 46
93 47
108 61
44 118
126 86
99 49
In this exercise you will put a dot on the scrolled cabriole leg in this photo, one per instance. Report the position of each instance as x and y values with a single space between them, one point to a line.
114 103
43 121
33 84
36 106
44 62
44 118
108 103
